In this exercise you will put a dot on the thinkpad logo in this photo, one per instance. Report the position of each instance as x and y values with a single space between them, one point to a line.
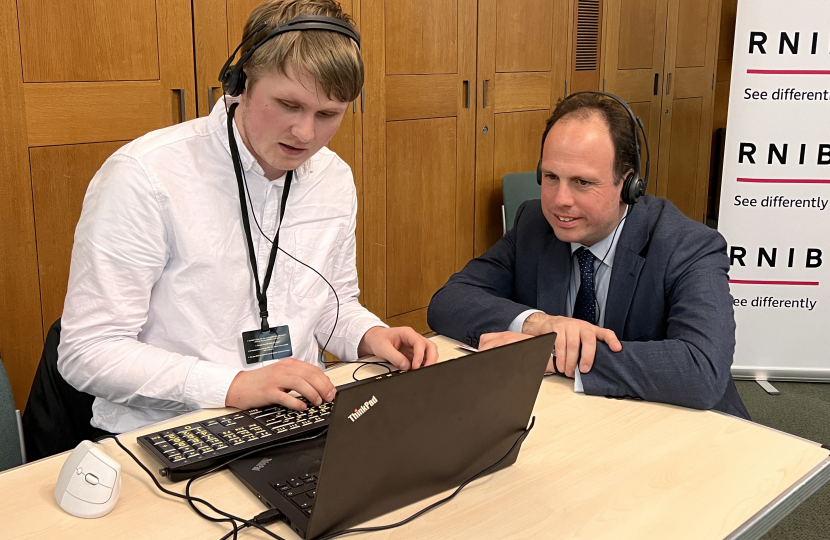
363 408
258 467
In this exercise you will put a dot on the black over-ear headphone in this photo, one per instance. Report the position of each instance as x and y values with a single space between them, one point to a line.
634 185
233 77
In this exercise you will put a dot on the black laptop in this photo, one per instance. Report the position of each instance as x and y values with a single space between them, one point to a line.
395 440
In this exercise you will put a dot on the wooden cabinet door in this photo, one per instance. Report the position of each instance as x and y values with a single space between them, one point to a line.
218 26
212 45
124 69
685 132
522 67
122 72
419 151
633 57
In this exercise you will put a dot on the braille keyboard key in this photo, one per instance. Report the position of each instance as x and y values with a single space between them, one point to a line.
183 446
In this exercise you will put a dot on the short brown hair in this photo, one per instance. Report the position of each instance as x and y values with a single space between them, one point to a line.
332 59
620 126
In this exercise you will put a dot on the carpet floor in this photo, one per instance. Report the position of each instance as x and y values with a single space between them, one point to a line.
802 409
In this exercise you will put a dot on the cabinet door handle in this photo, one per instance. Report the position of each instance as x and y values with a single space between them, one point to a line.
466 94
484 93
182 108
210 97
656 83
668 83
362 99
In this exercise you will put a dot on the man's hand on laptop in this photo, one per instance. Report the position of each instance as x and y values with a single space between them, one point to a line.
402 346
571 335
270 385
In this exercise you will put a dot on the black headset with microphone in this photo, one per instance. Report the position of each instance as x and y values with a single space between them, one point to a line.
635 184
233 76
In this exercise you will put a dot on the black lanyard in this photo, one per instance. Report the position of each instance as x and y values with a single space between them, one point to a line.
237 168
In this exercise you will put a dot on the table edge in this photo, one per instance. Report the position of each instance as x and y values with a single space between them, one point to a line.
780 507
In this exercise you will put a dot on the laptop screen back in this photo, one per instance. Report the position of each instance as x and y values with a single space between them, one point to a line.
405 438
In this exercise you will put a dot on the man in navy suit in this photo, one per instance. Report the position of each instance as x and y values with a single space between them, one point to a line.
638 294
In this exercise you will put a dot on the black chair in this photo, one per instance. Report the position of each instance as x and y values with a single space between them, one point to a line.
57 415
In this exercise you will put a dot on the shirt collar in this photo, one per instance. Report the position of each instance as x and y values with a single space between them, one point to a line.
219 121
605 249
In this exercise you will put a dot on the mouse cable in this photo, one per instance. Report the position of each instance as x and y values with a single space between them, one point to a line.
229 517
258 521
222 465
269 514
446 499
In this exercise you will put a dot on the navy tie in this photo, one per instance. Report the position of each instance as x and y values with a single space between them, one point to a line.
585 306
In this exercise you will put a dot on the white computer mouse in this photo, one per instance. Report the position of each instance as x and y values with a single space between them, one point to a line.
89 483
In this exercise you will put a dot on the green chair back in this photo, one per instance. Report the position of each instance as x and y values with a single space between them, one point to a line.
517 188
10 455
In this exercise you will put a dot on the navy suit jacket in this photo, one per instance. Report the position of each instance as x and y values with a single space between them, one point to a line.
668 303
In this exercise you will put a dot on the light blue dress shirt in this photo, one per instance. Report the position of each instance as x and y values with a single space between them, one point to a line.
603 251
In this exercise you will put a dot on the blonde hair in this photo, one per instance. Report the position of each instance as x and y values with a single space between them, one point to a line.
332 59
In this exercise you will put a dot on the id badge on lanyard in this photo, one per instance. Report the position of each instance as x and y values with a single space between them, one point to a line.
267 342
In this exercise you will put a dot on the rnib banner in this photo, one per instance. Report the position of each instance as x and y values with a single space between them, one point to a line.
775 199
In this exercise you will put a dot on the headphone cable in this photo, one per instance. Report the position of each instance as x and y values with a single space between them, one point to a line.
596 302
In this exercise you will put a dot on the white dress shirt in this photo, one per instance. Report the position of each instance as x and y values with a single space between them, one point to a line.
160 284
603 252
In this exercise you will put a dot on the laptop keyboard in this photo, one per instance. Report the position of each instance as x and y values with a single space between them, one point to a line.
301 491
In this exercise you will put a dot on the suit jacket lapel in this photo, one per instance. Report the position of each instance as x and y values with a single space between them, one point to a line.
553 276
626 269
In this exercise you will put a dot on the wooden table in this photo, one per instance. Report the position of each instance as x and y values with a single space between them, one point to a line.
591 468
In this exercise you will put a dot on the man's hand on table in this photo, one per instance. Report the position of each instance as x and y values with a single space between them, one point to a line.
571 335
402 346
270 385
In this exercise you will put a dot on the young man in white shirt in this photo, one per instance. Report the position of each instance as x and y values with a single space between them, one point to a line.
163 299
